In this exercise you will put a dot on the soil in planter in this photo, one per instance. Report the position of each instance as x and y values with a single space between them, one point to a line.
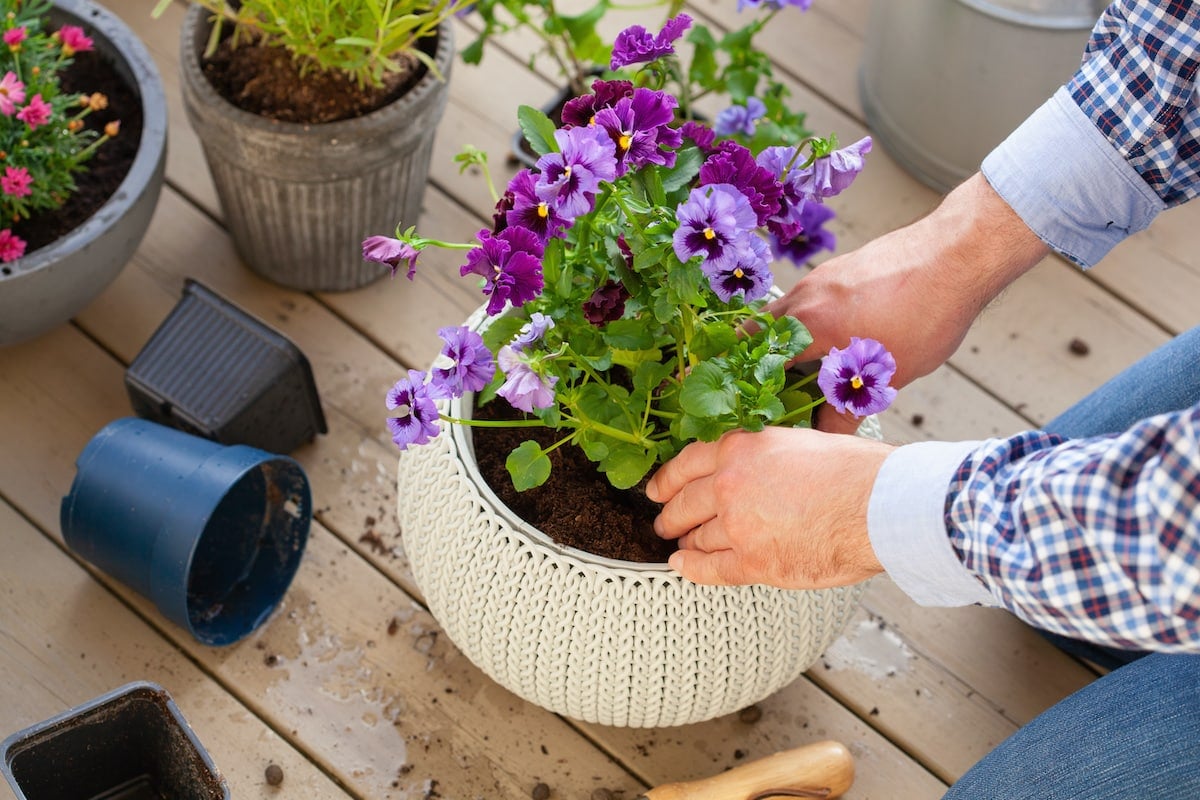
577 506
266 80
102 174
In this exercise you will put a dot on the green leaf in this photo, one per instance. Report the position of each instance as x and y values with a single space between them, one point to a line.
538 130
687 166
708 391
704 429
473 53
528 465
628 334
769 369
626 464
713 340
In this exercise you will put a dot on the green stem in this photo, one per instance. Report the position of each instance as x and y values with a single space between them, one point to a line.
795 412
494 423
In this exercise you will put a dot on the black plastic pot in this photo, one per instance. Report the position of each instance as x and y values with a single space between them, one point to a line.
129 744
213 370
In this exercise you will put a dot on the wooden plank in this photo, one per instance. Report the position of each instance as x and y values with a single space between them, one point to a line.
64 640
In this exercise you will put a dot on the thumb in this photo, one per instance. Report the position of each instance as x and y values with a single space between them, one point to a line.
719 568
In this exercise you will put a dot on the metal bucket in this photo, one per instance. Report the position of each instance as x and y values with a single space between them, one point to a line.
945 81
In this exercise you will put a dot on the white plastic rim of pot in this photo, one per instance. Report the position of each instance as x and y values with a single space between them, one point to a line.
53 283
596 639
942 82
299 199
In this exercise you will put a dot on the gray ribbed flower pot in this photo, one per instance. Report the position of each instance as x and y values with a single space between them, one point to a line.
299 199
48 286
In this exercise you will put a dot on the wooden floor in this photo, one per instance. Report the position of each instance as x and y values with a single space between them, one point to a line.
342 687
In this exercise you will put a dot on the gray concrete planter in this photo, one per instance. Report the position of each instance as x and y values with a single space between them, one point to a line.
299 199
53 283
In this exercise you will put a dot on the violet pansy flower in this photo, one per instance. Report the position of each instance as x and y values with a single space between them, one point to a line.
569 178
412 414
740 119
831 174
715 223
510 262
470 362
775 5
749 276
581 110
527 210
523 388
856 379
813 236
734 164
636 45
393 252
531 332
640 126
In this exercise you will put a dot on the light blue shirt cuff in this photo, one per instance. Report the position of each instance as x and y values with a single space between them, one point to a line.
1065 180
907 525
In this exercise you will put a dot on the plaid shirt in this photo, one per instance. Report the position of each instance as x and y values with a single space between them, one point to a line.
1137 84
1094 538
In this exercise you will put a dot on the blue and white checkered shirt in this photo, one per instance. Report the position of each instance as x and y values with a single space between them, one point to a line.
1094 538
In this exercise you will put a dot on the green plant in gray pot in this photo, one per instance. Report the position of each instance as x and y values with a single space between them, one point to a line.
298 197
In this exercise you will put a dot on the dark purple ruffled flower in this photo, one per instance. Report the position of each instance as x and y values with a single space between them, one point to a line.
812 239
471 366
740 119
734 164
639 127
582 110
750 275
413 417
523 388
856 379
606 304
701 135
511 264
393 252
831 174
531 332
527 210
786 223
714 222
500 212
636 45
569 178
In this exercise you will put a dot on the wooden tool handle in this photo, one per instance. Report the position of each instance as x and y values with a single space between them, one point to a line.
824 769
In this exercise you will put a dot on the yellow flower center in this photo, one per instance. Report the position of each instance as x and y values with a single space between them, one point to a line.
709 233
737 273
624 141
856 382
543 211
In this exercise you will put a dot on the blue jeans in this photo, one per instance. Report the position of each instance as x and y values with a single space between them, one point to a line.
1136 731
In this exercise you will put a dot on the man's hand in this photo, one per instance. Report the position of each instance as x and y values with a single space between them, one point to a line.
783 506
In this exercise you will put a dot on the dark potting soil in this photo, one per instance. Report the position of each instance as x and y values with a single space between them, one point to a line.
102 174
266 80
577 506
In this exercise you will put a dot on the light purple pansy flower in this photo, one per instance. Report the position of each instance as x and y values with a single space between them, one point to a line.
715 223
636 45
393 252
413 417
530 211
740 119
750 275
786 223
471 365
531 332
510 263
569 178
775 5
832 174
523 388
856 379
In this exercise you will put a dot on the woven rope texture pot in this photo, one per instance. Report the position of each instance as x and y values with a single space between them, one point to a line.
299 199
604 641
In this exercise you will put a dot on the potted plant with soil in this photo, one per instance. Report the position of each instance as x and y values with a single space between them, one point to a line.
624 282
83 132
317 121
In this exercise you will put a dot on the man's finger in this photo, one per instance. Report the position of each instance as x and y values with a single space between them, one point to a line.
708 537
694 461
714 569
692 506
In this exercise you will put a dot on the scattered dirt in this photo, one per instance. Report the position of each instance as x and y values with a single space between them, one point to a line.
92 72
1079 347
274 774
540 792
750 714
577 506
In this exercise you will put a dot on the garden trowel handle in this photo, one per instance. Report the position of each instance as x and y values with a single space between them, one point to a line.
824 769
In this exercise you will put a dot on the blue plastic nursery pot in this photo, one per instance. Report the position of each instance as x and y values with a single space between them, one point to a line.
211 533
129 744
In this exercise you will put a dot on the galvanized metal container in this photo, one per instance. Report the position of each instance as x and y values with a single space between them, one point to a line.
945 81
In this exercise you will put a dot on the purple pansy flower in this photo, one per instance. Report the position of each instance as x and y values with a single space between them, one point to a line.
471 365
775 5
582 110
606 304
701 135
531 332
735 165
750 275
530 211
636 45
786 223
639 127
413 415
569 178
831 174
523 388
813 237
740 119
393 252
714 222
856 379
511 264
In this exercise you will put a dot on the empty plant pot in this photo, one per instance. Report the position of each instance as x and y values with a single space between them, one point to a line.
212 534
216 371
129 744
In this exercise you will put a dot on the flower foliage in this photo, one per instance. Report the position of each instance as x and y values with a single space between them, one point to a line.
625 280
44 143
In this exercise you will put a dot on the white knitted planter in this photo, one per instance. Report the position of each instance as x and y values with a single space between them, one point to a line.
604 641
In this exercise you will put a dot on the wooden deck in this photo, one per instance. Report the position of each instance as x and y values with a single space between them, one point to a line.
350 704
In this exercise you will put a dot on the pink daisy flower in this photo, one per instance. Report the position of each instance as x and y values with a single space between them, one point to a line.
12 91
36 113
73 40
16 182
11 247
14 37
